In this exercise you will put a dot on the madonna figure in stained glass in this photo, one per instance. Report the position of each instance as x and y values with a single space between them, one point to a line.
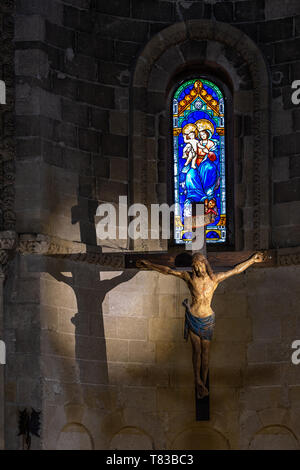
202 177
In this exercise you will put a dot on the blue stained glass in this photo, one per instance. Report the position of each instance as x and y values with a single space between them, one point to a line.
199 157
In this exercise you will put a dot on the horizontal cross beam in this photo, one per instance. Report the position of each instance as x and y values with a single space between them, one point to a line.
182 259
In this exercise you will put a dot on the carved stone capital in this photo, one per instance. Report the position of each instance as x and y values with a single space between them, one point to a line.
8 244
288 256
75 251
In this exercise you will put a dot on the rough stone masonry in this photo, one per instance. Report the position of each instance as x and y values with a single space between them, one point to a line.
87 120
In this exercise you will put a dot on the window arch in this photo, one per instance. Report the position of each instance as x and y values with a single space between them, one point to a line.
167 58
199 157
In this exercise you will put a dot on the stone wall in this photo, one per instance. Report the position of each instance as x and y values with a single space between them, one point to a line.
74 66
111 370
102 354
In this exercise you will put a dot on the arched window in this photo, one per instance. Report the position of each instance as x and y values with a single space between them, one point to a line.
199 157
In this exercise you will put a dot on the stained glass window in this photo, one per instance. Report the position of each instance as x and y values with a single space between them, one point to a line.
199 157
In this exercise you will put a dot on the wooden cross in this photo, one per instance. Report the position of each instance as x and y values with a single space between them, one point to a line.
179 259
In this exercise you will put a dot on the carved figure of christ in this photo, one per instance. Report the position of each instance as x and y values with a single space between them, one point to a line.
199 317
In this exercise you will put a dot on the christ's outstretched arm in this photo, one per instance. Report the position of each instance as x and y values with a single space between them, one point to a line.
256 258
144 264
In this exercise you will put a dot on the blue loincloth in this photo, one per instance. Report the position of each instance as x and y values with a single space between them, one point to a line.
203 327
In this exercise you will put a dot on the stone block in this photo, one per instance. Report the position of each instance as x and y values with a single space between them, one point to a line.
31 62
228 355
286 236
78 162
18 366
30 391
295 167
110 326
57 294
163 11
93 372
49 318
137 375
115 7
193 50
256 352
181 375
243 101
33 100
118 168
276 30
132 328
287 191
90 348
281 214
169 329
287 51
281 8
266 326
109 191
260 398
30 28
71 322
59 36
10 392
168 305
223 11
231 304
126 52
80 66
96 95
224 399
77 19
282 122
58 344
156 102
171 352
64 86
115 145
117 350
93 45
114 74
52 10
22 315
118 123
278 351
102 167
27 340
28 291
141 351
89 140
171 399
250 10
141 398
263 375
122 28
226 376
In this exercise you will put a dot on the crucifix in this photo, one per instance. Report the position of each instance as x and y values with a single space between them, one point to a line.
196 271
202 282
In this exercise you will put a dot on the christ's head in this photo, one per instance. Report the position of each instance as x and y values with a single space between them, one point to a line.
201 266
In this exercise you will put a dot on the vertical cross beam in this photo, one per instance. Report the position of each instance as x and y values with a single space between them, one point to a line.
202 405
